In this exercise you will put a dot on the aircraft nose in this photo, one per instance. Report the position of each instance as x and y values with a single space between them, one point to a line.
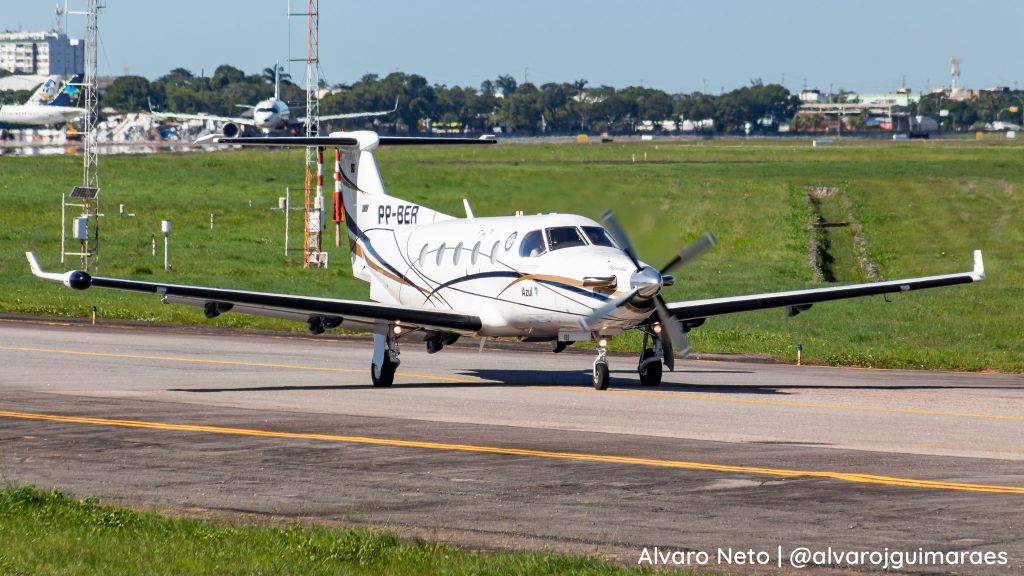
646 281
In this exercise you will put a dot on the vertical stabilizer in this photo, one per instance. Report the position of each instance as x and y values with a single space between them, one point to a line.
46 91
70 93
368 209
277 81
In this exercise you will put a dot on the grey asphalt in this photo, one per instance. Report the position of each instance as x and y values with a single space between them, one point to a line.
706 428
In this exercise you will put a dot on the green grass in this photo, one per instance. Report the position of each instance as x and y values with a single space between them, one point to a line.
923 206
51 533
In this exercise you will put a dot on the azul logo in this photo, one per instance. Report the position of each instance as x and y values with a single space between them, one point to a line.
511 240
530 291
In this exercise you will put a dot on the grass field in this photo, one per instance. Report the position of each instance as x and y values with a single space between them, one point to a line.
920 208
50 533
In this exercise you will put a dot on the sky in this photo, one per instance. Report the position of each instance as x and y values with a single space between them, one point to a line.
676 46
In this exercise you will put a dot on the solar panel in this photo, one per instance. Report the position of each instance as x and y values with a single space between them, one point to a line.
83 192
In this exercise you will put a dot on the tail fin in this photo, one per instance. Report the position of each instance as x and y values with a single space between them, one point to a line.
277 81
46 91
70 93
366 205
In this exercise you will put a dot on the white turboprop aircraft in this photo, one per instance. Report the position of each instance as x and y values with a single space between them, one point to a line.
51 103
267 115
435 277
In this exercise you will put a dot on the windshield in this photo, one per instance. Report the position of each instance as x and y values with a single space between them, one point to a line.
598 236
564 237
532 245
267 110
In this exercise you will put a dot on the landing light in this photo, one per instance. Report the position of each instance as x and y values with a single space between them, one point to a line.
657 327
603 342
397 330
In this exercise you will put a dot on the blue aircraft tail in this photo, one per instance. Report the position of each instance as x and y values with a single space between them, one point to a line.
70 93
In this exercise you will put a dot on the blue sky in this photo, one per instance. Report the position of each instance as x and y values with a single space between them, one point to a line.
868 45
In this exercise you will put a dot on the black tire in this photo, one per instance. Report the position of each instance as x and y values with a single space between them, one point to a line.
650 375
387 373
601 377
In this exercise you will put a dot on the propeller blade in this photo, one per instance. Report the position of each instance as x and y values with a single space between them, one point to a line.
690 252
673 327
667 355
620 237
600 313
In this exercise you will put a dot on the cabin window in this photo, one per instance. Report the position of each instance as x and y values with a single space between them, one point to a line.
494 251
476 253
456 253
564 237
423 255
440 254
598 236
532 245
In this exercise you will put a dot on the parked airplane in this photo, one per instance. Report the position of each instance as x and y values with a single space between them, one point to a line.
52 103
435 277
267 115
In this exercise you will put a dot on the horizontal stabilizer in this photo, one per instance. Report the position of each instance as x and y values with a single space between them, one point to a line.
334 141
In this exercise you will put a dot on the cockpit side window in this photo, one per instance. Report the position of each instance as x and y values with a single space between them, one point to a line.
564 237
532 245
598 236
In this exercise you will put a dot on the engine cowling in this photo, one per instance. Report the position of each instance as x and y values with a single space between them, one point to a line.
230 130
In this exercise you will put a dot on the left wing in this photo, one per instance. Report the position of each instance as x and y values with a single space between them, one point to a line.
317 312
797 301
355 114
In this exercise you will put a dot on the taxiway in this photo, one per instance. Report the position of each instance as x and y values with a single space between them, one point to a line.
514 449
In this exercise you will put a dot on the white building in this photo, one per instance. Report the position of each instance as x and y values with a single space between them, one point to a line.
41 53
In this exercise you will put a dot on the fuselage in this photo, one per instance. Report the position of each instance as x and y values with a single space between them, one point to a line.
38 114
271 114
531 276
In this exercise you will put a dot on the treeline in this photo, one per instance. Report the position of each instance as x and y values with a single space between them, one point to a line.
973 114
526 108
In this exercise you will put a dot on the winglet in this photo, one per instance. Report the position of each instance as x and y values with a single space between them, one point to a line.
77 279
469 211
979 267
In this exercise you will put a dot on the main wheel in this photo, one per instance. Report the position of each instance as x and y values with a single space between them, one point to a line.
601 377
383 376
650 375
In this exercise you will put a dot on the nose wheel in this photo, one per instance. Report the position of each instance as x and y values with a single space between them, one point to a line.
600 376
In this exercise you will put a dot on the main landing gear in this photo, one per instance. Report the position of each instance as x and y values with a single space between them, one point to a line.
649 367
385 358
601 376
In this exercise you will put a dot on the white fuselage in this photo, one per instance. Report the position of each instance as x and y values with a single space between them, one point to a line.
481 266
38 114
271 114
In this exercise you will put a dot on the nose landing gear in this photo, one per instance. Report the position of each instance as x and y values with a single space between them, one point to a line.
600 376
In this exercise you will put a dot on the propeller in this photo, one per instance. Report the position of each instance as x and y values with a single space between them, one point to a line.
647 283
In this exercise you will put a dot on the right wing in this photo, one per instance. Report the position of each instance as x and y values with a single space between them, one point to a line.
797 301
356 114
185 116
322 312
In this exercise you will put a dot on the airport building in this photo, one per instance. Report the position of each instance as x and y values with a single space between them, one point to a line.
41 53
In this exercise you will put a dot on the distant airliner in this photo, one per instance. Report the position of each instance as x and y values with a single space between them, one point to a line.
52 103
433 277
268 115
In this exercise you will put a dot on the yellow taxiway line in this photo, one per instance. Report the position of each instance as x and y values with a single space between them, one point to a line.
685 396
225 362
576 456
